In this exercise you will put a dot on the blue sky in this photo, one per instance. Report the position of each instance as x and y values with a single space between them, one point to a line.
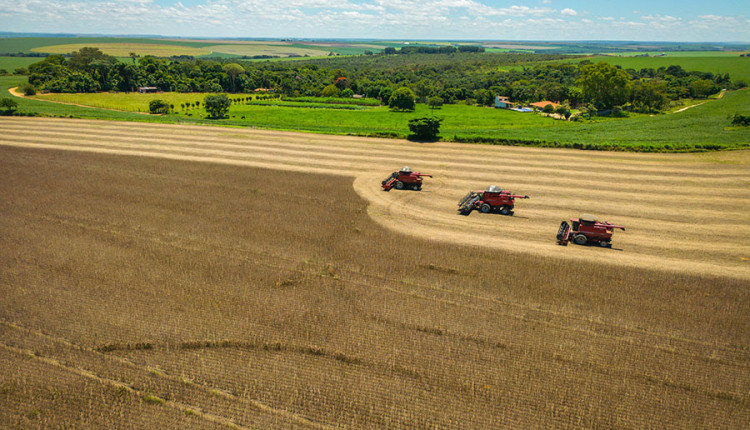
687 20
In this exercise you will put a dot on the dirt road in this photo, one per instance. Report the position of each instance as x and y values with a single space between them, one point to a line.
683 212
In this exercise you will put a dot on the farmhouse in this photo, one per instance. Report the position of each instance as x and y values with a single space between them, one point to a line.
542 104
144 90
503 102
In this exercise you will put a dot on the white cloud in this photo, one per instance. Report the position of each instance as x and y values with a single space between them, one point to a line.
568 12
444 19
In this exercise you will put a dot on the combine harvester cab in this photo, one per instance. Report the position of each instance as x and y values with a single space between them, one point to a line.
404 179
493 199
585 230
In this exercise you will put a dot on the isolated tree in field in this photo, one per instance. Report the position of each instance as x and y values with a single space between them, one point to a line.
133 56
402 99
158 106
604 85
9 105
435 102
216 105
424 129
233 70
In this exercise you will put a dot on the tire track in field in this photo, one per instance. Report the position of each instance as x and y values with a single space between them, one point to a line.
684 212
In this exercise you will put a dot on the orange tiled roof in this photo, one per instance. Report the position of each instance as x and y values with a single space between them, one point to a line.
541 105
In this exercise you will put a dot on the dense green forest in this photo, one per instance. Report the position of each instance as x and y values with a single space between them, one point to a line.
467 75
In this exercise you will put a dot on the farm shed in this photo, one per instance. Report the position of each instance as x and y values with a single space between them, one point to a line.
144 90
542 104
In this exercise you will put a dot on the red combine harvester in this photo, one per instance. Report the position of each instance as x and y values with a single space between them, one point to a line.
404 179
493 199
586 229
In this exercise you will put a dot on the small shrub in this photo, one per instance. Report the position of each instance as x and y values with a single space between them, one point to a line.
8 105
424 129
28 90
153 400
741 120
158 106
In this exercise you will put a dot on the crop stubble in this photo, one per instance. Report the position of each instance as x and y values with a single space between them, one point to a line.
196 284
683 213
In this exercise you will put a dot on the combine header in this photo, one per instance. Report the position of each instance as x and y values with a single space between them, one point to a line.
493 199
404 179
586 229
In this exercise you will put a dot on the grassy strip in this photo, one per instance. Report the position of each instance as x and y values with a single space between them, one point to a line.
335 100
701 128
307 105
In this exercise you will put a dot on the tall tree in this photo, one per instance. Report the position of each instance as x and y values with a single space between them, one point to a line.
650 95
402 99
217 105
233 70
604 85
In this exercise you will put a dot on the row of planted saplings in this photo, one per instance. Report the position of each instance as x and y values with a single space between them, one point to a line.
585 230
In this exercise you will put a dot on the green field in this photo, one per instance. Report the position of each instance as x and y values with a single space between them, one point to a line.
674 54
12 63
737 67
702 127
131 102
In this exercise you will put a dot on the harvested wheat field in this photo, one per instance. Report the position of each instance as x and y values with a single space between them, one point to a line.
214 277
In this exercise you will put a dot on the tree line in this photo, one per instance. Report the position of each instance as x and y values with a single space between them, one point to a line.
456 76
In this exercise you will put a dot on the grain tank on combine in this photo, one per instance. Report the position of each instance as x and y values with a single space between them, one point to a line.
493 199
585 230
404 179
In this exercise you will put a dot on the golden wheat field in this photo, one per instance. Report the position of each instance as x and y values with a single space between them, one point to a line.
172 277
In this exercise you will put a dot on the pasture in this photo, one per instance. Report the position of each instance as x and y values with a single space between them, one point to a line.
157 272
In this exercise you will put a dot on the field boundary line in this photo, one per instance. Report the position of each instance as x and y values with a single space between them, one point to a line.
121 385
179 405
